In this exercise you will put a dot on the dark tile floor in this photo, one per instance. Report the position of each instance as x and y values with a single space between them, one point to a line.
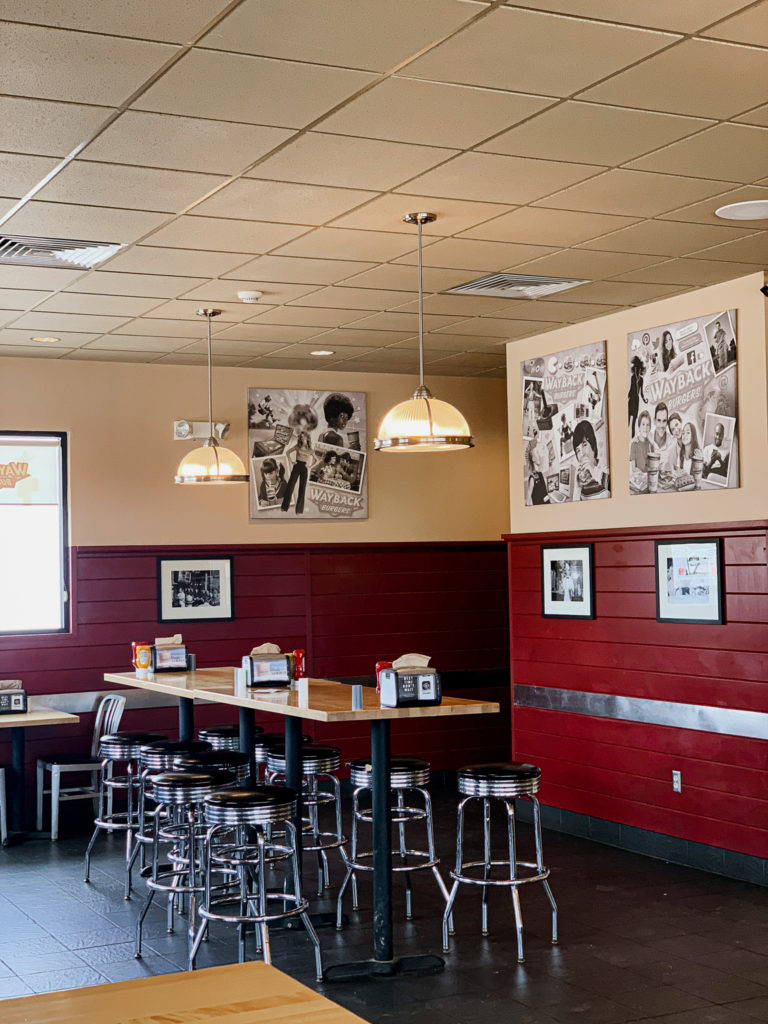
641 940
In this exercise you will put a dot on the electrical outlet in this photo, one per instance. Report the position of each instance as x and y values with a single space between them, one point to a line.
677 782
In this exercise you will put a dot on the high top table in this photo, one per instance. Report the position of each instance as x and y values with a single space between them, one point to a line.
328 702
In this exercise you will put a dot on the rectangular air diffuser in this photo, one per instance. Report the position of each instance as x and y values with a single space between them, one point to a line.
27 251
515 286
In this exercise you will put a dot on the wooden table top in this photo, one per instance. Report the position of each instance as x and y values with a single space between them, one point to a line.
38 716
329 701
252 992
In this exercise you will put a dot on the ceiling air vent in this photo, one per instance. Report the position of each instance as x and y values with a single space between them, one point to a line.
515 286
26 251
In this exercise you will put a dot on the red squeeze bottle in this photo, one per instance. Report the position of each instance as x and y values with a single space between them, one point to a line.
299 664
379 666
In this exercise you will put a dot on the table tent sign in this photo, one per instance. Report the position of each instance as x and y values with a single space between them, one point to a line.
683 412
307 453
565 428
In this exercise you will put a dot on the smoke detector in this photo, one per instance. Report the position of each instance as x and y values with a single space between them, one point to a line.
515 286
249 297
28 251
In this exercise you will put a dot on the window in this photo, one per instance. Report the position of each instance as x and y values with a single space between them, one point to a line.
33 532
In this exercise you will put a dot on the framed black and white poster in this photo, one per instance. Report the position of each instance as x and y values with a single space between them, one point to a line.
689 581
567 581
194 589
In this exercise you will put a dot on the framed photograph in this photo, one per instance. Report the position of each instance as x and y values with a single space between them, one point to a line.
689 581
567 581
194 589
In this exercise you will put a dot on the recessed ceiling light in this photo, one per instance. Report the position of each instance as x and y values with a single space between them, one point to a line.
43 339
323 352
754 209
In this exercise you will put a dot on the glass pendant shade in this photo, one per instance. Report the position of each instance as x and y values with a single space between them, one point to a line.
423 423
211 464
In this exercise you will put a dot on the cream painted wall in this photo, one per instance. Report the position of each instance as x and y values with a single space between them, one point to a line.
749 501
122 456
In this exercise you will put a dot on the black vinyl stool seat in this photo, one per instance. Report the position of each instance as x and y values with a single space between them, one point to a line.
407 775
249 815
504 782
161 755
223 759
319 763
224 737
125 748
179 796
273 740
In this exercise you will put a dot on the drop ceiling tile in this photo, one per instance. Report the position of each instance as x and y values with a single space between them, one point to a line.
386 213
499 179
667 238
33 351
281 202
750 26
753 249
539 226
133 343
218 234
405 109
149 259
54 323
469 254
96 223
401 278
287 269
226 289
757 116
543 309
697 77
105 282
184 143
469 360
50 129
253 90
587 264
37 278
180 330
353 298
190 359
6 205
229 347
38 62
309 316
511 49
275 334
619 293
593 134
321 159
186 309
404 322
691 272
344 336
455 305
104 356
281 363
69 339
732 151
437 345
19 298
174 21
18 173
681 16
109 305
704 212
342 243
634 193
92 184
305 350
390 359
480 327
350 33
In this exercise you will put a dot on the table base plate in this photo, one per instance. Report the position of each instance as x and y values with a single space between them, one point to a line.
325 919
373 970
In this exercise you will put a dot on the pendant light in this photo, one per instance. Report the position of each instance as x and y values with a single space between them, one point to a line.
423 423
211 464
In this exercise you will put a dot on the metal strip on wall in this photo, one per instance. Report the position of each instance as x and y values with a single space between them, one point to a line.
699 717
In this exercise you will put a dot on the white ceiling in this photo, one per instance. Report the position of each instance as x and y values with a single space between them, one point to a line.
276 144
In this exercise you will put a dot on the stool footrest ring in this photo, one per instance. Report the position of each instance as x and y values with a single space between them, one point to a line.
459 876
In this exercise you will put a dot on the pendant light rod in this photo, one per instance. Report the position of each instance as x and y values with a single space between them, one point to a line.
420 219
209 314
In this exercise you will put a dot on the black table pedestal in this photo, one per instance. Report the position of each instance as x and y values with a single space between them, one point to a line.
247 726
186 719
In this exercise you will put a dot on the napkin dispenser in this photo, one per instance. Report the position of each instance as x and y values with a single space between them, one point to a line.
409 687
13 699
270 669
169 657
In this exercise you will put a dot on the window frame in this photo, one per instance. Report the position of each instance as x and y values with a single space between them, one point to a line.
66 602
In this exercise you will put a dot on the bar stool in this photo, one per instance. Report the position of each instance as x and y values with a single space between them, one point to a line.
116 748
407 775
224 737
250 812
506 782
318 764
180 796
211 760
268 740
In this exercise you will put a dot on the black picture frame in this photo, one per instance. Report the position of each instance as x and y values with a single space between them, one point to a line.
555 604
200 584
674 560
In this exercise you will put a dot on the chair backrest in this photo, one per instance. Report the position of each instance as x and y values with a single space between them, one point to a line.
108 716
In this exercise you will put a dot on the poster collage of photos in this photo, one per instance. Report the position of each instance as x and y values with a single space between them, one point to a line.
565 433
307 454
